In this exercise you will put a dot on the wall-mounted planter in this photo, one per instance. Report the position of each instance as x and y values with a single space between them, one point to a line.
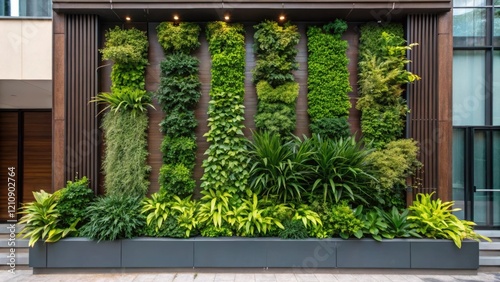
255 252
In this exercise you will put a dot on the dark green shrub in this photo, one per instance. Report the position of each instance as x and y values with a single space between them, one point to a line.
179 150
276 118
125 158
333 128
170 228
213 231
398 225
294 229
178 37
328 76
177 124
373 224
344 222
275 46
286 93
114 217
225 166
176 180
73 202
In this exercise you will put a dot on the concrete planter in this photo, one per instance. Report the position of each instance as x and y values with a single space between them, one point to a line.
241 252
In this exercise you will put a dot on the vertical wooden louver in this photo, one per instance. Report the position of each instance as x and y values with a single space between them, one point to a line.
423 98
81 126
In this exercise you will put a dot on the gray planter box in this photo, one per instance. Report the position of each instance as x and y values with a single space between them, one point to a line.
255 252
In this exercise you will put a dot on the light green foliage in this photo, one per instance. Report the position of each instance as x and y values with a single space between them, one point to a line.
307 216
328 76
382 74
176 179
114 217
157 209
276 118
225 166
275 46
178 37
41 220
341 170
252 217
278 169
184 210
333 128
212 231
434 219
344 222
125 157
286 93
179 150
125 46
214 208
396 162
126 99
72 202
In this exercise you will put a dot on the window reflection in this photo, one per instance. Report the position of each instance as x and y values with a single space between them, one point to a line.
469 27
26 8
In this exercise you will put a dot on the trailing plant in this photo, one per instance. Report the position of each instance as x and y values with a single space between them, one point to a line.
333 128
178 37
176 180
225 166
328 78
278 169
114 217
124 164
275 49
41 220
396 162
341 170
398 225
276 118
72 203
382 74
125 157
344 221
179 150
434 219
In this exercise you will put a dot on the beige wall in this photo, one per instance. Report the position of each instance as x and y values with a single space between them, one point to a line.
26 49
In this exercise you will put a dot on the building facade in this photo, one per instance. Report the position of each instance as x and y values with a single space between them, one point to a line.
452 115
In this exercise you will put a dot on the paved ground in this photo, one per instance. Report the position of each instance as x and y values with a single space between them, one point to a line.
256 275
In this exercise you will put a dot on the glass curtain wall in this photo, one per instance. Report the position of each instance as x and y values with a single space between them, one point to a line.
476 110
26 8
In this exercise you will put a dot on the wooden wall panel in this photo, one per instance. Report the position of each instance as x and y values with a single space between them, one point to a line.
8 156
81 125
37 154
423 98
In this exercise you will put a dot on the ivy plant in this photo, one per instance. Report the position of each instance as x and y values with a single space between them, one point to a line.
225 165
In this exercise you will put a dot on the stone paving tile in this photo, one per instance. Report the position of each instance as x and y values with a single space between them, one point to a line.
204 277
285 277
265 277
243 277
223 277
306 277
326 277
167 277
184 277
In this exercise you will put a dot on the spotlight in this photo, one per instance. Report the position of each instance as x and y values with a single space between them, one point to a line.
227 17
176 17
128 19
282 17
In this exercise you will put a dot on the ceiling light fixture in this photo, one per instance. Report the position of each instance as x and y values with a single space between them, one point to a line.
128 19
227 17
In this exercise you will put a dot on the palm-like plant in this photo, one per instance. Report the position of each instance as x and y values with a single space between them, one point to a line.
126 98
341 169
278 169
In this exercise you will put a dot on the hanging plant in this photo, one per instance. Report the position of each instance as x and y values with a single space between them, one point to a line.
225 166
178 93
125 165
328 80
382 74
275 48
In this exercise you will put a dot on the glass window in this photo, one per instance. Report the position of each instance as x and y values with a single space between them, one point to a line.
496 27
458 171
35 8
496 177
468 87
4 8
496 88
480 198
469 27
469 3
